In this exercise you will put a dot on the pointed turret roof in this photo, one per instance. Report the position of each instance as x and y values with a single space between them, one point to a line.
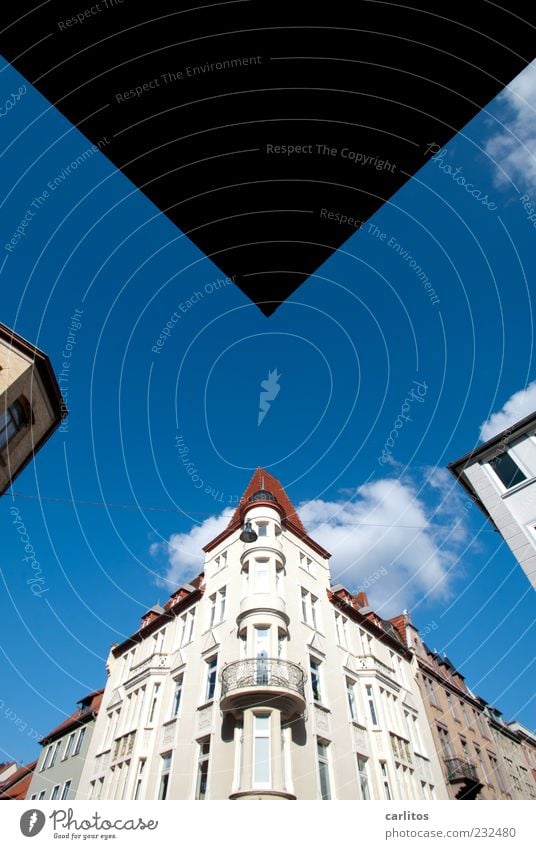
263 481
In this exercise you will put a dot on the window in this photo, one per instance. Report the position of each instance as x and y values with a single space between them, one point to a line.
33 796
464 714
350 695
363 777
309 609
480 760
154 702
431 691
79 742
262 529
445 742
69 746
507 470
372 706
177 695
41 795
139 778
11 420
187 624
55 792
66 789
306 563
323 769
212 667
262 577
202 769
452 706
46 759
315 679
497 772
165 769
217 608
55 753
261 751
340 625
385 780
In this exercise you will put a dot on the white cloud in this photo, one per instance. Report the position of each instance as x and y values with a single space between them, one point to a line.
184 552
385 527
519 405
513 147
385 540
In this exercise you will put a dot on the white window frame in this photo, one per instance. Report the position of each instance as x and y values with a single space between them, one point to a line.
386 780
66 789
202 759
69 746
153 703
177 692
261 734
351 699
315 669
341 628
261 568
55 792
211 678
55 753
79 741
363 776
217 607
323 767
138 783
165 772
310 609
372 708
187 625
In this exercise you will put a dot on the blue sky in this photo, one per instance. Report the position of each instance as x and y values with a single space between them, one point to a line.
175 425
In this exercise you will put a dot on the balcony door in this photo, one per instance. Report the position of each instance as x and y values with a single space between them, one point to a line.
262 652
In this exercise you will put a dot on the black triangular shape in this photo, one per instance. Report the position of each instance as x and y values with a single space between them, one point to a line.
200 107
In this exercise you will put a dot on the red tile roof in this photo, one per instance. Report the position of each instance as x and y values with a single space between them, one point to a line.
16 786
76 719
264 480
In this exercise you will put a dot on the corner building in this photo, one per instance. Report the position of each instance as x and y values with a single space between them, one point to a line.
261 681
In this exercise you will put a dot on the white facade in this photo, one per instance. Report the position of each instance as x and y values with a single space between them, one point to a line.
501 476
258 685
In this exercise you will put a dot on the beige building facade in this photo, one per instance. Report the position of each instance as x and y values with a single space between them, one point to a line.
31 405
259 680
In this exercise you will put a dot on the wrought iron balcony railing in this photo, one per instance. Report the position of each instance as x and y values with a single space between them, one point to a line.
262 672
460 770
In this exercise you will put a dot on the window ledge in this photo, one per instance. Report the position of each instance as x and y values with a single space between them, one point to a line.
358 725
518 487
206 704
169 721
321 706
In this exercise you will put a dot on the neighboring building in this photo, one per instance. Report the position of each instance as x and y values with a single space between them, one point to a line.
465 728
31 405
64 749
7 768
519 777
259 681
16 786
528 745
500 476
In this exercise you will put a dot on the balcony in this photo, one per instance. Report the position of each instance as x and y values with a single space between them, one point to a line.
256 682
464 774
262 603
